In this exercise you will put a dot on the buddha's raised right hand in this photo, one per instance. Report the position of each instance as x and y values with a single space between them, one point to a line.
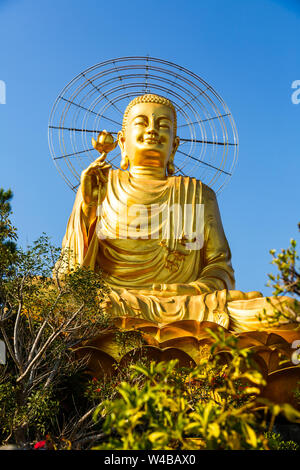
93 184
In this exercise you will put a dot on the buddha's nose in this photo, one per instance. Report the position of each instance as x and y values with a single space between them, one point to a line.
152 132
151 129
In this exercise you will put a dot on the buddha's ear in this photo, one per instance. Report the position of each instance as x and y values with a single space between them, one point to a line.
121 140
176 144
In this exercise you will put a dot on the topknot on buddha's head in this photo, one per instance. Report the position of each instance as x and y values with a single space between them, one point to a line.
149 98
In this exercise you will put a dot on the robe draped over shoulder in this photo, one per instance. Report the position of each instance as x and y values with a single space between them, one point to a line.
189 247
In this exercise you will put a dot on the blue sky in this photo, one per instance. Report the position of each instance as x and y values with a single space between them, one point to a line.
247 50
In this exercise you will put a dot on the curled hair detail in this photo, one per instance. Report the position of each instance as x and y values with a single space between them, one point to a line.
149 98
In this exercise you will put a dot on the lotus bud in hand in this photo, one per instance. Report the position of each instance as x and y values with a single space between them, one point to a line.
105 142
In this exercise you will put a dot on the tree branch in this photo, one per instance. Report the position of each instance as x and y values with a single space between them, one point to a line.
9 346
47 343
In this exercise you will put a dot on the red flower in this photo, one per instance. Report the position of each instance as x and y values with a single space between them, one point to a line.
98 389
39 445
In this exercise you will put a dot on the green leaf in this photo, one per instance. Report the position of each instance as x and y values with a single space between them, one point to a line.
157 436
251 435
290 413
214 430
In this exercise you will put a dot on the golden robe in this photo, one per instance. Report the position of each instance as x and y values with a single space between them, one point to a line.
182 242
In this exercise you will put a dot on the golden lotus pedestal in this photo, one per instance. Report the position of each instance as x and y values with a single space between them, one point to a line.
188 341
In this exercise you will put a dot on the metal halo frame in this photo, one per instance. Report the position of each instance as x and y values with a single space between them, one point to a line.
97 98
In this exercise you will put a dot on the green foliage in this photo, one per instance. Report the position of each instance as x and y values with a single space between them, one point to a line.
276 442
37 412
105 388
156 416
128 340
8 238
7 231
41 322
40 409
164 407
297 393
287 281
7 406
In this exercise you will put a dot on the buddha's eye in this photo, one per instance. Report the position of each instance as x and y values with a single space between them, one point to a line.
140 122
164 124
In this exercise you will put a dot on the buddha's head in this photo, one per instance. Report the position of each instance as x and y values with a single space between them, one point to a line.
148 137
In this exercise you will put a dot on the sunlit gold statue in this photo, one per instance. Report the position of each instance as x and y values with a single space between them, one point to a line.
158 238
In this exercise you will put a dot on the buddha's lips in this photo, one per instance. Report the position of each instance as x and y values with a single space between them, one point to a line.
151 141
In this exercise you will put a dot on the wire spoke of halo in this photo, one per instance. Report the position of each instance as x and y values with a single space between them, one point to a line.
203 163
195 97
71 129
91 82
74 154
116 156
90 111
205 120
208 142
97 97
178 170
79 130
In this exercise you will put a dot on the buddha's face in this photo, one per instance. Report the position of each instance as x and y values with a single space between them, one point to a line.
149 138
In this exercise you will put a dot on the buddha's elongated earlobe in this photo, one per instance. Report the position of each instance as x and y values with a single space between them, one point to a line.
124 162
170 167
170 164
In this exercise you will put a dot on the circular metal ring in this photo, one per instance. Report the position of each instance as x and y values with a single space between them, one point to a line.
97 98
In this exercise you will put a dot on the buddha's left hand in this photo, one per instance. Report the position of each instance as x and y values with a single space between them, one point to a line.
168 290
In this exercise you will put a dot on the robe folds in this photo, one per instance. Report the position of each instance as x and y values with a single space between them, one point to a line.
161 232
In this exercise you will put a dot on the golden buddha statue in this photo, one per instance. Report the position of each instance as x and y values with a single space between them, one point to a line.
157 238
